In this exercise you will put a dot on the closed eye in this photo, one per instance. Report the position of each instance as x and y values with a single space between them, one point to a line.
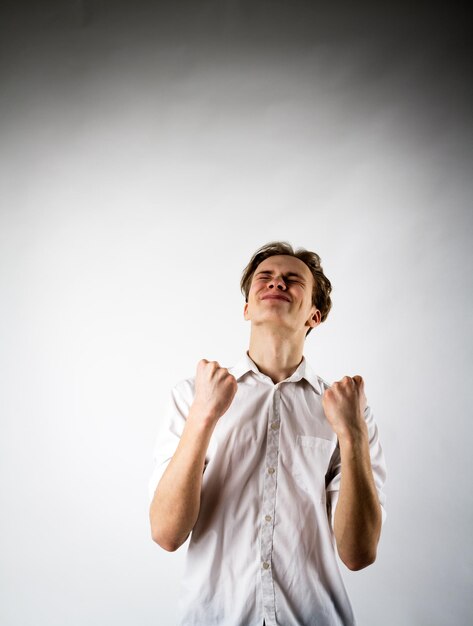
267 276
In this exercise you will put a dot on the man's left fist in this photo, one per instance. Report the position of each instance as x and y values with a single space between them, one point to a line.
344 405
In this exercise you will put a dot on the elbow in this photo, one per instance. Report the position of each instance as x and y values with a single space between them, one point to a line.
360 562
162 542
169 544
169 533
159 533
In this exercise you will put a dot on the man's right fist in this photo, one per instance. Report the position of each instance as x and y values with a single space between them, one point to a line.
215 389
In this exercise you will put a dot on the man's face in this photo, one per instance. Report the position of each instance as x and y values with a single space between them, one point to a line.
281 295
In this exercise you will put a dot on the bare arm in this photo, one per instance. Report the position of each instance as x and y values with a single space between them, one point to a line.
357 523
176 503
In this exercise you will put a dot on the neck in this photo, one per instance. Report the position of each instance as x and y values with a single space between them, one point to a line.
276 354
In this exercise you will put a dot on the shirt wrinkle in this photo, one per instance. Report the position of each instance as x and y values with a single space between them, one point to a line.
263 545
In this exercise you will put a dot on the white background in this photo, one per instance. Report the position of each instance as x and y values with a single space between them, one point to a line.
145 156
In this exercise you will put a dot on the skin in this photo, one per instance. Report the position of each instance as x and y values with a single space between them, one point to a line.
280 310
176 502
279 326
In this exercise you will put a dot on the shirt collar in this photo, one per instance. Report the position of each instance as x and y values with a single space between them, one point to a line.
245 365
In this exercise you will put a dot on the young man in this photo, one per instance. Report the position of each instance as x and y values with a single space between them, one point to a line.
271 470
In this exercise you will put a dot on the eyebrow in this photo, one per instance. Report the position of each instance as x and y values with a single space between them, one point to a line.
289 274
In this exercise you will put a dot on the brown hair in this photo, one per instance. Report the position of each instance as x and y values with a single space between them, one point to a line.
322 285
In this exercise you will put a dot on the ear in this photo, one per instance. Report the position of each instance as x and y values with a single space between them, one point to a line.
314 320
245 312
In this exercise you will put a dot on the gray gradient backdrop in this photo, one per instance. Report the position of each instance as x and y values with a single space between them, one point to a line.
147 149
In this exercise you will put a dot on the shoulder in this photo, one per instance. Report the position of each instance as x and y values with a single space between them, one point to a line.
184 389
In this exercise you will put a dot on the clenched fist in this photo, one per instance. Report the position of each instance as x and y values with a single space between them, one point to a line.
344 405
215 389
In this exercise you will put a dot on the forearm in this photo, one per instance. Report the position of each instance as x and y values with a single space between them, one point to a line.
357 523
176 503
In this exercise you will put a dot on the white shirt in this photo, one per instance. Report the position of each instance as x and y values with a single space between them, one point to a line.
263 545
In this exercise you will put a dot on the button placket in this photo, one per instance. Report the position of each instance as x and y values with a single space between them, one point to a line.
269 504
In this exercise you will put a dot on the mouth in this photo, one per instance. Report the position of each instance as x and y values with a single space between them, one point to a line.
283 298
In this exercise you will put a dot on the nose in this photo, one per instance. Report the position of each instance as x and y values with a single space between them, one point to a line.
278 283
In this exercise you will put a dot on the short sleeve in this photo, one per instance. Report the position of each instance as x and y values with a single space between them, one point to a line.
378 467
170 431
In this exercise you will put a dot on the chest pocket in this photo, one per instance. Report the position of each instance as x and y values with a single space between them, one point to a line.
310 464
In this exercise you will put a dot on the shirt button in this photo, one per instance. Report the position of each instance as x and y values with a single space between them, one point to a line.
275 425
266 565
271 470
267 518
